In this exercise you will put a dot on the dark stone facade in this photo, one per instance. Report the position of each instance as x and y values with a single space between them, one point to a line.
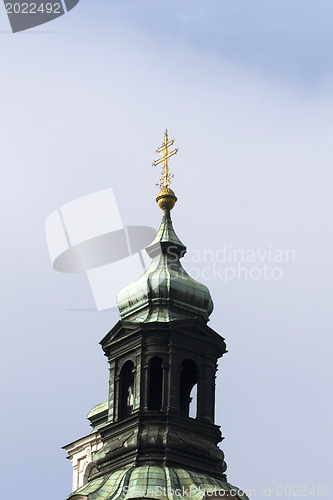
153 368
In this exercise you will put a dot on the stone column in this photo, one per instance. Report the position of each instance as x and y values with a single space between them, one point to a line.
145 385
174 378
209 389
201 396
116 397
111 404
137 382
165 385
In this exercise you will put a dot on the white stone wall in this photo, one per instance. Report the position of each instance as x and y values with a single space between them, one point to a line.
81 454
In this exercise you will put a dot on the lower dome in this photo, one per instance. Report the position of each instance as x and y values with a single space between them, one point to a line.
157 483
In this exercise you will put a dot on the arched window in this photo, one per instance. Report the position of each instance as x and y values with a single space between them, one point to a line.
126 389
188 386
155 384
89 471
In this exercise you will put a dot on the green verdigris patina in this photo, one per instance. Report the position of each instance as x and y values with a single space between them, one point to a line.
157 483
165 292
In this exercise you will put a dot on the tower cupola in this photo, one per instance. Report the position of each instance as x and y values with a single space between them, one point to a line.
157 429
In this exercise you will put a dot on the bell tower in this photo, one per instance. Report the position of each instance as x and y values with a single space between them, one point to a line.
159 352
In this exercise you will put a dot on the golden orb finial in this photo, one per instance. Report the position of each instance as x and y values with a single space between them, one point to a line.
166 198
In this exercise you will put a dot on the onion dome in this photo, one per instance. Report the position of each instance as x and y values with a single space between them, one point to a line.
165 292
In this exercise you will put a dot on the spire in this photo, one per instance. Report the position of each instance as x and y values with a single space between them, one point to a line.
165 292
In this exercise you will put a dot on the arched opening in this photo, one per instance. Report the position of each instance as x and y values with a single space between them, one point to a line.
126 389
188 388
155 384
90 470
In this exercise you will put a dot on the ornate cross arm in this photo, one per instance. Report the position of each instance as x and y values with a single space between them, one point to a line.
165 156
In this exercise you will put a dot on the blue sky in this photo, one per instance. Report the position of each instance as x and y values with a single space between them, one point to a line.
245 88
282 40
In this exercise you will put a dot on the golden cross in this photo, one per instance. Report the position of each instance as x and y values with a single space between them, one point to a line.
165 156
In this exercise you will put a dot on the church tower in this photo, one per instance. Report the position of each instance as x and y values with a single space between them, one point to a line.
145 442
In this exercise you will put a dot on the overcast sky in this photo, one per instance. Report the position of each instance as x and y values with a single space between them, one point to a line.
245 88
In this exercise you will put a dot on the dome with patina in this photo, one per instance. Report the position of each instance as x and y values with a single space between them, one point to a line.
157 483
165 292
